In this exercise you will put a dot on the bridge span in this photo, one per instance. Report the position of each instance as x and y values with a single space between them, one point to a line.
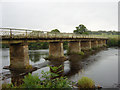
18 40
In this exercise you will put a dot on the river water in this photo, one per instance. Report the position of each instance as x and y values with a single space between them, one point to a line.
102 67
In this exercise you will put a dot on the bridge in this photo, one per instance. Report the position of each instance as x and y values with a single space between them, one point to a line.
18 40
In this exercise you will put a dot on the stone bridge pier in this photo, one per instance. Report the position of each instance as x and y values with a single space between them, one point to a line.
94 44
19 57
104 42
74 47
56 49
100 43
86 45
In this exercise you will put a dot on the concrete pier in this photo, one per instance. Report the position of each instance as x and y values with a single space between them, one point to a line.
74 47
86 45
100 43
19 57
94 44
56 49
104 42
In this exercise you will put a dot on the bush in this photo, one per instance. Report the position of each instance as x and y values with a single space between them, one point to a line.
46 81
34 81
31 81
86 82
112 42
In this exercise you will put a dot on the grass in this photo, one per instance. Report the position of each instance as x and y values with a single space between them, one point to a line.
86 82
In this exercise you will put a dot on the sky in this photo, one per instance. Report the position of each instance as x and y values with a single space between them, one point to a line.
63 15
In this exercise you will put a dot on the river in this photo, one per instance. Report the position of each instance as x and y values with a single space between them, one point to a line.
102 67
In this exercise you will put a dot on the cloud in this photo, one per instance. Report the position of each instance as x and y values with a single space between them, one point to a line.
63 16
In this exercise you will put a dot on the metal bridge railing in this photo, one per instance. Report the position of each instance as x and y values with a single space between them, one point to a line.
26 33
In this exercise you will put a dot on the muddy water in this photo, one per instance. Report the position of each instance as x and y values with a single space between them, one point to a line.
102 67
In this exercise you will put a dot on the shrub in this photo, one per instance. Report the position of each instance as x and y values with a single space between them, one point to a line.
86 82
33 81
81 53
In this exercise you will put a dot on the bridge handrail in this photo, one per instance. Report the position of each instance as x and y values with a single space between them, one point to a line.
12 32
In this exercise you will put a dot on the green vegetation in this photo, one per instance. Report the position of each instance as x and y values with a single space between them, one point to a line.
44 45
65 45
5 85
45 81
81 53
33 81
38 45
90 49
94 48
81 29
55 31
114 40
86 82
101 32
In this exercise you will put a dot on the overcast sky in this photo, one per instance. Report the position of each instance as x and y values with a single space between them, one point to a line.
62 15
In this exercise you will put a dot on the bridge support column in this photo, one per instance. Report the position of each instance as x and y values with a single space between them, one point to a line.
100 43
94 44
19 57
56 49
86 45
74 47
104 42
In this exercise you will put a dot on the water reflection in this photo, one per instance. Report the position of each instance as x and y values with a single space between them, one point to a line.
34 57
75 64
37 56
16 78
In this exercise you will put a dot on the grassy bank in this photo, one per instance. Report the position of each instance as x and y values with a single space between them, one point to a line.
113 41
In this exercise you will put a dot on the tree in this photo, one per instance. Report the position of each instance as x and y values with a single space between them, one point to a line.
55 31
81 29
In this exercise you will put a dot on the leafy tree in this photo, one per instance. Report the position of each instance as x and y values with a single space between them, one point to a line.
81 29
55 31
